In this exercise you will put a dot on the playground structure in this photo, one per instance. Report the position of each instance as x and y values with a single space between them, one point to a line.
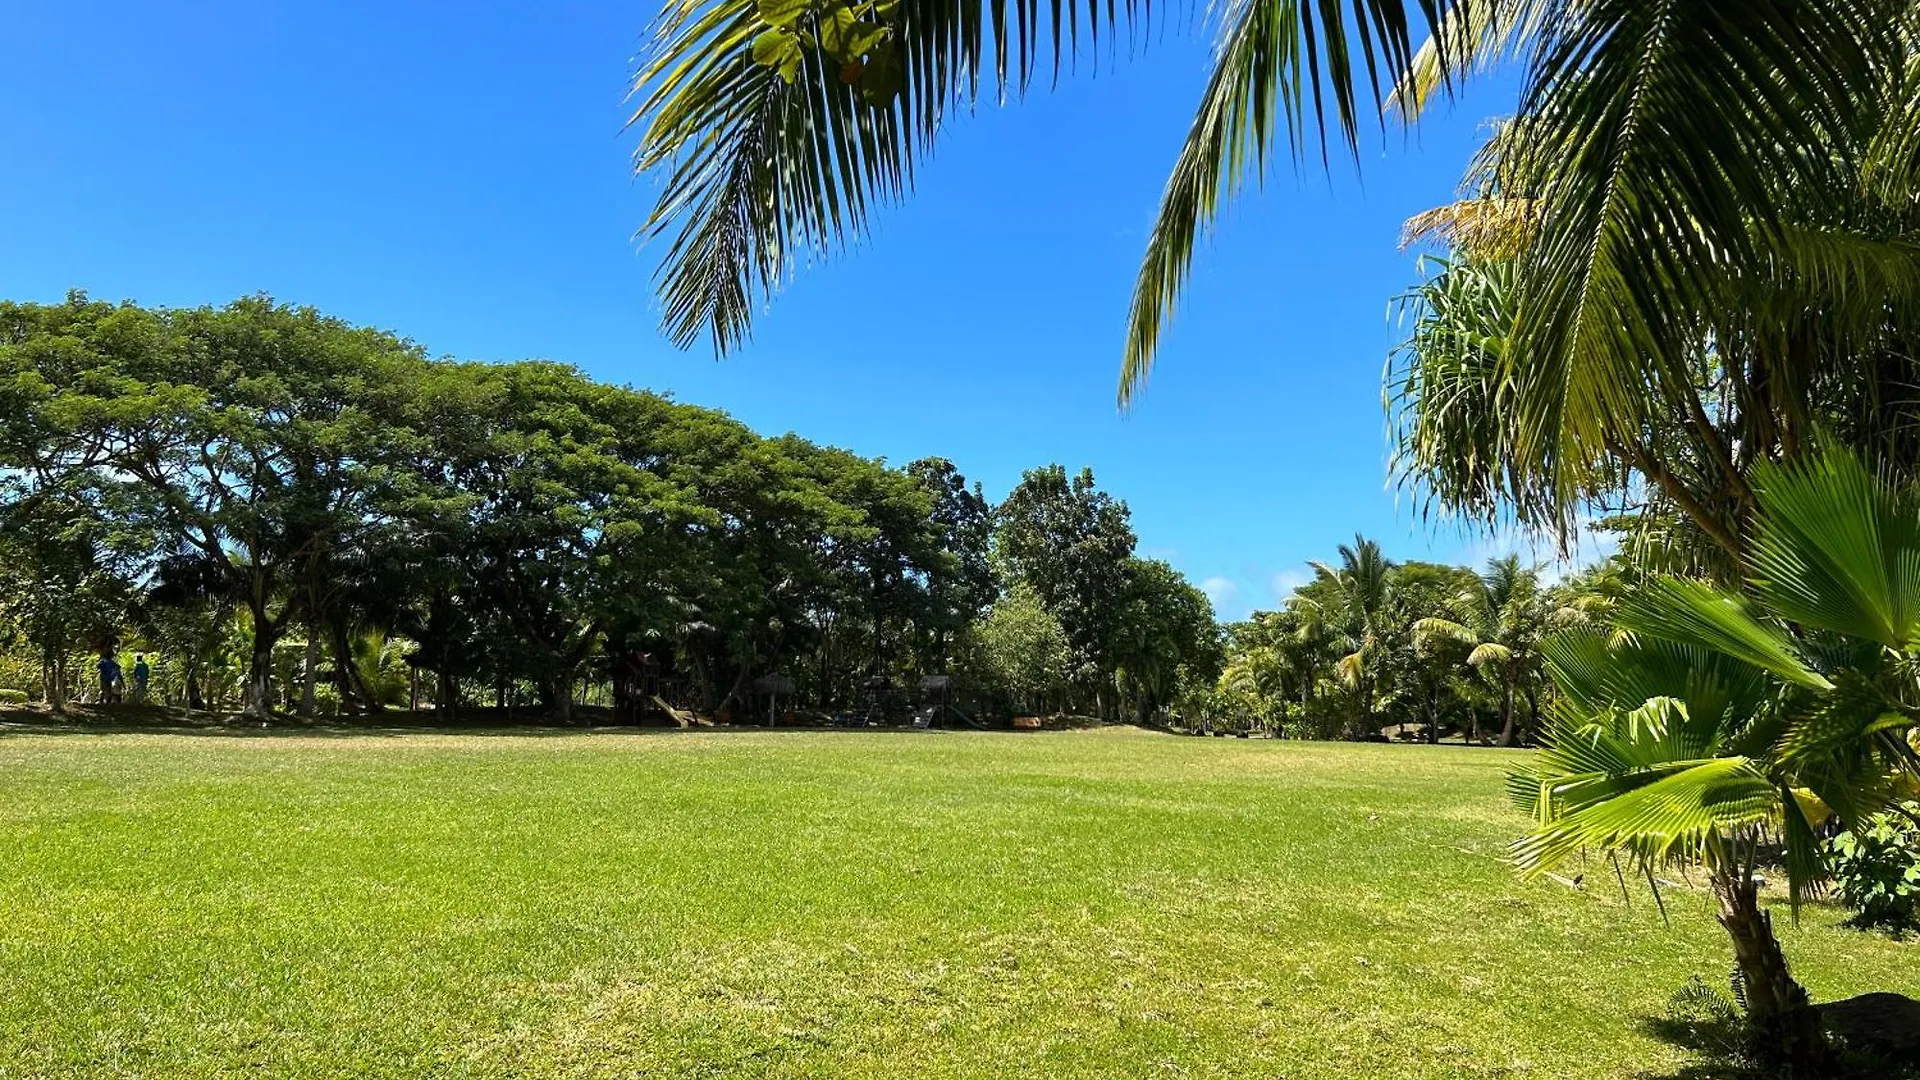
937 708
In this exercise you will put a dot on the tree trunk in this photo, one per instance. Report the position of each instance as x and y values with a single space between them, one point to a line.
346 673
1783 1017
1506 715
260 671
558 692
449 702
310 672
53 678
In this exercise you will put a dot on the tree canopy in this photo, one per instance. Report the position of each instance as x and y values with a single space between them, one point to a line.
263 491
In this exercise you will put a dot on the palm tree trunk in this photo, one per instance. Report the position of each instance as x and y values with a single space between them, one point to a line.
1783 1017
1506 715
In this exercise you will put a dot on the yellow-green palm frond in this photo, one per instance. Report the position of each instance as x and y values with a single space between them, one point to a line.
1485 227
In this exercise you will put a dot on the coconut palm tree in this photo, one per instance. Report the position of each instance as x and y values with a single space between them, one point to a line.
1666 385
1655 144
1353 607
1723 723
1501 617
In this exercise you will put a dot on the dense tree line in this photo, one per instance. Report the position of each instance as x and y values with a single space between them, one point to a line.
293 511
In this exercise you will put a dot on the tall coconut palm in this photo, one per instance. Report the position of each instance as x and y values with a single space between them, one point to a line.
1658 139
1501 617
1353 606
1666 384
1691 738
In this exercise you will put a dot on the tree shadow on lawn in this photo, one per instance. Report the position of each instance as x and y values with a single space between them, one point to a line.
1721 1048
162 720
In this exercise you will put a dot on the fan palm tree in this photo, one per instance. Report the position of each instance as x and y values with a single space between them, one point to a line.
1501 617
1691 738
1655 143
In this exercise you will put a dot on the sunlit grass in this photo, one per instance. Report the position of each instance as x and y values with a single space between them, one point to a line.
1087 904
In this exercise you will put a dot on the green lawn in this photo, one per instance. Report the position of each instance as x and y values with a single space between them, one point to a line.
1091 904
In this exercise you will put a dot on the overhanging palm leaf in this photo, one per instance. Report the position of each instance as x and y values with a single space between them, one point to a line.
771 160
1269 69
1471 38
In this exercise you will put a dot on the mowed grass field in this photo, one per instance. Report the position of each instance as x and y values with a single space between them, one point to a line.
1087 904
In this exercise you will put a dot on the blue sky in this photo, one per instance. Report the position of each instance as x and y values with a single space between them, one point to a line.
458 173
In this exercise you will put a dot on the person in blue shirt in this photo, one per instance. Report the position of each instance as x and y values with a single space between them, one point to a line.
109 678
141 673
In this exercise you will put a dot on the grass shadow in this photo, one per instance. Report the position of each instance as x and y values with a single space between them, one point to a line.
163 720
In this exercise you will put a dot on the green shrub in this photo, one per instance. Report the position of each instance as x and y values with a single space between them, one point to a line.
1877 871
13 697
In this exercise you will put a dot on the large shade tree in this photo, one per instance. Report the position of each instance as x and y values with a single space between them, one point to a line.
248 428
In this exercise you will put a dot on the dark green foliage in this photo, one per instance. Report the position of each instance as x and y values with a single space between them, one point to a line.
304 514
1071 544
1876 871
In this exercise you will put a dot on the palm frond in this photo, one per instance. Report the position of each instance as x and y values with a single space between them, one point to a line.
1447 629
1470 38
1681 610
1487 227
1277 62
1839 550
1594 670
1658 135
1671 816
772 159
1489 652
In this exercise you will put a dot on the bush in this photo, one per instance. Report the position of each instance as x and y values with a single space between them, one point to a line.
13 697
1877 871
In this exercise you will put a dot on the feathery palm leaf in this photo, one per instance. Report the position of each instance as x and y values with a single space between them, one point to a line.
1658 137
775 149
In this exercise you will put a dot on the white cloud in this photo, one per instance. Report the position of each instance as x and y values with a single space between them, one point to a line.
1286 581
1219 590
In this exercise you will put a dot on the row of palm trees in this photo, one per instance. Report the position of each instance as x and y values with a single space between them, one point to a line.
1371 642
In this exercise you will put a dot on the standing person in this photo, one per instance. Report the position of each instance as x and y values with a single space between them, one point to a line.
109 678
141 673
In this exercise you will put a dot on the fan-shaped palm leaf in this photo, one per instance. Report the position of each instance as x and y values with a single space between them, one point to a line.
1839 550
